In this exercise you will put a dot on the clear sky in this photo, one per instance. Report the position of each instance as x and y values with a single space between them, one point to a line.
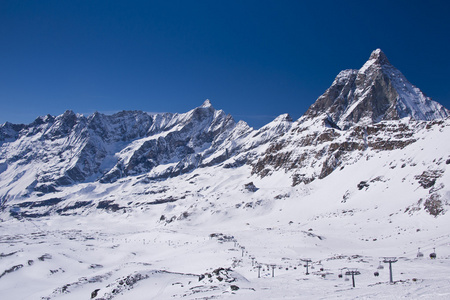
253 59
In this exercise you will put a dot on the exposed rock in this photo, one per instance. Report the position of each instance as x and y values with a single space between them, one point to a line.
94 293
428 178
109 205
250 187
434 205
10 270
45 256
363 184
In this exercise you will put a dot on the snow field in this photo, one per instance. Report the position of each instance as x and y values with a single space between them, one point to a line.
367 210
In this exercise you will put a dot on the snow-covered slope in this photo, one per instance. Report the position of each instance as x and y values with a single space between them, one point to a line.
196 206
184 237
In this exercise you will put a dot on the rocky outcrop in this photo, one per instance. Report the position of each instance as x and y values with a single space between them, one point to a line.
315 152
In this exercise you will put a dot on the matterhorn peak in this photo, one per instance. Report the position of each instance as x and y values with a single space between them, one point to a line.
377 60
379 57
376 92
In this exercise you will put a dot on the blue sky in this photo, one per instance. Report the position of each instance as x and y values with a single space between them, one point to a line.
253 59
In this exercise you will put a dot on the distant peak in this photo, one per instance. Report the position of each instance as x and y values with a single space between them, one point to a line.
206 104
283 118
68 113
379 57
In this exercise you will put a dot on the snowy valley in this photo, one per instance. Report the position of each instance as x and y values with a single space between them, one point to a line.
198 206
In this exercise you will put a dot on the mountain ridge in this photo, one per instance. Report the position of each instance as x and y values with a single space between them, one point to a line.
71 148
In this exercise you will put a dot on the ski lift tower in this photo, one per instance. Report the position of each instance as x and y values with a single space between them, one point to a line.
273 270
390 261
353 272
243 249
307 261
259 270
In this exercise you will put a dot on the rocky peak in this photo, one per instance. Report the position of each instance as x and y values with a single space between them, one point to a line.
278 127
376 65
68 117
10 132
43 120
283 118
378 57
62 125
376 92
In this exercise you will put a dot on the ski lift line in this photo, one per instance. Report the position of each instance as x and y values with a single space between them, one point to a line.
21 217
434 244
43 231
34 225
349 271
40 229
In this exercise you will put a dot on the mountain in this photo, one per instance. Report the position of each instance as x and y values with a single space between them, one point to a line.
376 92
197 205
349 119
71 148
371 109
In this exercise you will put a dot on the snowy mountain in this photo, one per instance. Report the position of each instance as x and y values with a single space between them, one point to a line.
68 149
197 206
376 92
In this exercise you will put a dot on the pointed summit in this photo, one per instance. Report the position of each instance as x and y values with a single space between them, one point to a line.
376 60
379 57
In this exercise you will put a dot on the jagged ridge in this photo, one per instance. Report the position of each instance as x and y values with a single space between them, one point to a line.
72 148
68 149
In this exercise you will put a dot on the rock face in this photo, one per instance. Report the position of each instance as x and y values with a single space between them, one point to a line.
312 151
376 92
